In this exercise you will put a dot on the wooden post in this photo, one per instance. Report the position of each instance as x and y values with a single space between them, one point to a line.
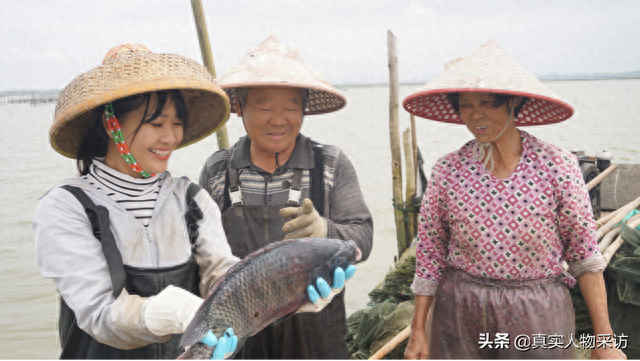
207 59
394 134
410 189
414 140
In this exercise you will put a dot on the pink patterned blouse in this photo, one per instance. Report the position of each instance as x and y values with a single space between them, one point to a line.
518 228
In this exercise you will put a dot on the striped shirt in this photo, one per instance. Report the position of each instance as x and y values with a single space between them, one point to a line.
136 195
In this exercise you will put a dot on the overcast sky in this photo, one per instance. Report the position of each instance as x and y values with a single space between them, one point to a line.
45 44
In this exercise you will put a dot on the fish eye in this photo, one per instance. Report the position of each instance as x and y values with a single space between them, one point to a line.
339 260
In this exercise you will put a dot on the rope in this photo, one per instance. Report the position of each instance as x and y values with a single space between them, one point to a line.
393 200
404 210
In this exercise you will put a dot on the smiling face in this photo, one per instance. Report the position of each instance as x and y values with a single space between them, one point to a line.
152 144
482 118
272 117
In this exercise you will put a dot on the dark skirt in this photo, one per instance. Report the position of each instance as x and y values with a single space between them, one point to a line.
475 318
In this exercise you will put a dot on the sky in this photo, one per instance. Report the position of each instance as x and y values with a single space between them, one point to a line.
45 44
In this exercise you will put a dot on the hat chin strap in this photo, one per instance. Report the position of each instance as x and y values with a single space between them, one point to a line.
479 147
116 133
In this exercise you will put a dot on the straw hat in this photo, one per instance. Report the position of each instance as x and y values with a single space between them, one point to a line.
489 70
131 69
275 64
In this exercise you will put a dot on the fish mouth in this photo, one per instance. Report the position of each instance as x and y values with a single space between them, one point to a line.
358 254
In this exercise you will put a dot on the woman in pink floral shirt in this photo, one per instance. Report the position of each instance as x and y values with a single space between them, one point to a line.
505 225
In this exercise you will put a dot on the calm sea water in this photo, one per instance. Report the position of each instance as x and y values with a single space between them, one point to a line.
607 112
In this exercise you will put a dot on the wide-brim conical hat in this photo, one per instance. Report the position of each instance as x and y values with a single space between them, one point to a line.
131 69
488 70
275 64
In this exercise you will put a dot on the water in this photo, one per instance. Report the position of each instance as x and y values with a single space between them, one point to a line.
607 112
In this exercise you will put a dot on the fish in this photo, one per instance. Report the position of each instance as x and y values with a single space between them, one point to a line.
267 286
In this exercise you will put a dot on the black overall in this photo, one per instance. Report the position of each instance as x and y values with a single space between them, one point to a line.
319 335
77 344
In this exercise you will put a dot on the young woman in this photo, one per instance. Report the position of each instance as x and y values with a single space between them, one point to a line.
499 219
130 248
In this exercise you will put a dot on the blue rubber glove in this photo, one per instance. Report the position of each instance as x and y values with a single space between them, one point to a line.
323 290
226 344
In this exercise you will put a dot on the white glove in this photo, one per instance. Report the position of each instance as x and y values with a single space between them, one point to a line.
170 311
306 221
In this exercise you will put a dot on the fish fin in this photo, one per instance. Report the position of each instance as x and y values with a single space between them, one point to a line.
197 329
197 351
284 317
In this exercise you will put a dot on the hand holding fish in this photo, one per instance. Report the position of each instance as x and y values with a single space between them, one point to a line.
224 346
322 294
170 311
249 298
306 221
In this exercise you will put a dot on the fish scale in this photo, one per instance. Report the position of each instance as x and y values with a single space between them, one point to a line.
265 286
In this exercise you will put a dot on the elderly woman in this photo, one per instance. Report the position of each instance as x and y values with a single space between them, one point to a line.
499 218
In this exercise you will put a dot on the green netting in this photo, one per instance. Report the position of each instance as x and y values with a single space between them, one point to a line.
624 299
397 282
372 328
391 312
622 280
390 327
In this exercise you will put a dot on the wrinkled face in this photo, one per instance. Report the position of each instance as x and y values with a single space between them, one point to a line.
481 118
152 145
272 118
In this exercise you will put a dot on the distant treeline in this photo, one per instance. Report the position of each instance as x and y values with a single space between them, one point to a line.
25 93
31 97
596 76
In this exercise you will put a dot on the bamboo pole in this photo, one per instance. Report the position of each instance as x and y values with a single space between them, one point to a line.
394 135
606 240
207 59
604 219
595 181
617 218
384 350
414 140
410 189
401 336
611 250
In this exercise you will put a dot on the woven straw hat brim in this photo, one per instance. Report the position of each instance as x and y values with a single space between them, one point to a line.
131 74
488 70
320 101
273 64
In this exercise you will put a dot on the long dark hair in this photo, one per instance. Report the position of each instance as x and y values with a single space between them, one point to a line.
498 101
96 140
